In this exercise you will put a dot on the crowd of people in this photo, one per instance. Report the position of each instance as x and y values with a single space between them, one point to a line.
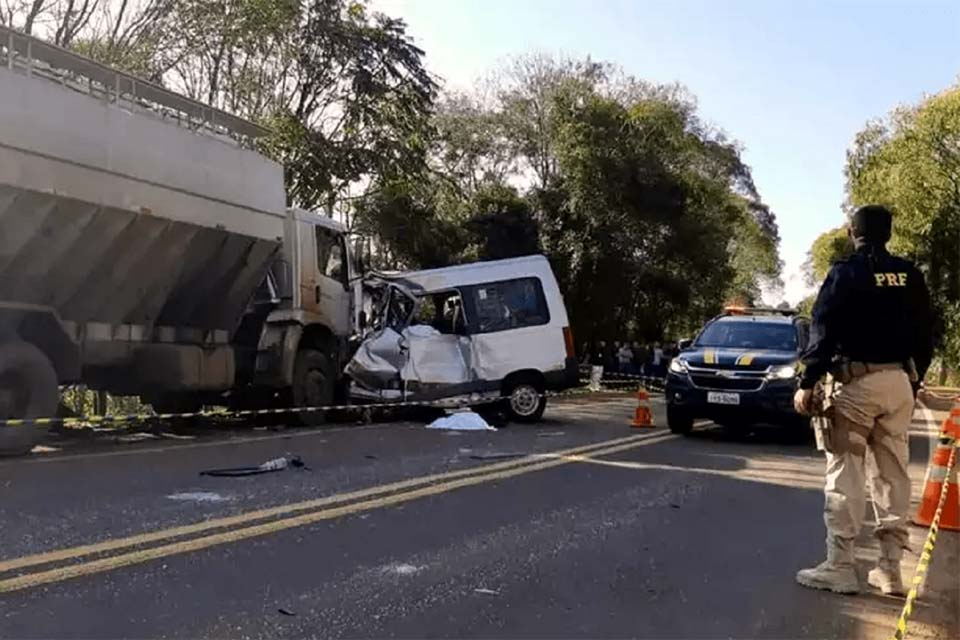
633 358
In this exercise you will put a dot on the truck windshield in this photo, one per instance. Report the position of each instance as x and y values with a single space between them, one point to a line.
749 335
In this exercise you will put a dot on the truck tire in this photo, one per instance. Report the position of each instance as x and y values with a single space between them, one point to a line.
314 385
679 421
526 401
28 389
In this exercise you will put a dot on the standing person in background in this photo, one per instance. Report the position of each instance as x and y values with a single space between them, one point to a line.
657 358
669 353
625 358
596 364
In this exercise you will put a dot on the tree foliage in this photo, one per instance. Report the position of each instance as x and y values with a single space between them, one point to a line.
829 247
650 218
911 163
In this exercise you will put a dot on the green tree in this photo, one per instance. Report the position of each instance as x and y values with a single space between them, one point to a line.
829 247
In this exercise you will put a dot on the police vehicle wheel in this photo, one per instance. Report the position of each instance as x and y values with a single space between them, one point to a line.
314 384
28 389
525 402
678 421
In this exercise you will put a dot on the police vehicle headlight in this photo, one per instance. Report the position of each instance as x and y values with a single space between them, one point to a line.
782 372
678 366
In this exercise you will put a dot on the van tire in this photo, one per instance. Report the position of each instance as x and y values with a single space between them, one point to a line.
314 385
29 385
679 421
525 401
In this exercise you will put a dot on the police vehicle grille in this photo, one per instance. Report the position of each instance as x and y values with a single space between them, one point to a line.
708 381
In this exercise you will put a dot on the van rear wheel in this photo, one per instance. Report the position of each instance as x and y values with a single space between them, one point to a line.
28 389
526 401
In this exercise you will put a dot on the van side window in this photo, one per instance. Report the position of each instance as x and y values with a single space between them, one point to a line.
510 304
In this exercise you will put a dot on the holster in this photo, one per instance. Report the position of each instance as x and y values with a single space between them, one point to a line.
823 413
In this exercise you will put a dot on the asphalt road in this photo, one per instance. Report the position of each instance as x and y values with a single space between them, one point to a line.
579 527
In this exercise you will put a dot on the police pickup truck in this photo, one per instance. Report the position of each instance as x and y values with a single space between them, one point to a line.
741 369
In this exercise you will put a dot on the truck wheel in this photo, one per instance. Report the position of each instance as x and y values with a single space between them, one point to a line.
314 384
28 389
679 421
525 401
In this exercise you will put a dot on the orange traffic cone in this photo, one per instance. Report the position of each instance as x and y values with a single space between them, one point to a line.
936 476
952 425
642 416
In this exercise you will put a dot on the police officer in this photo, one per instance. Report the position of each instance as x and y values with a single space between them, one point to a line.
871 327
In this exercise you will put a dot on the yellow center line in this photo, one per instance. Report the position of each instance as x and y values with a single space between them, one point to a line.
136 557
287 509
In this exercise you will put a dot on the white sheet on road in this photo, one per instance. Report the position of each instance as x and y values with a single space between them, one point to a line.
461 421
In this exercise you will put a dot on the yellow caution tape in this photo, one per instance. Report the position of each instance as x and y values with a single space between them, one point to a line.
119 420
921 572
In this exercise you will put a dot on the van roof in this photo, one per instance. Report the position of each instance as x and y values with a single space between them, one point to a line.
474 273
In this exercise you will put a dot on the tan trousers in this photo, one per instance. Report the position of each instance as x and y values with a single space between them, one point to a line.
872 413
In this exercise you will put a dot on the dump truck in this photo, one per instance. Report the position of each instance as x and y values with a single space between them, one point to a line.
147 249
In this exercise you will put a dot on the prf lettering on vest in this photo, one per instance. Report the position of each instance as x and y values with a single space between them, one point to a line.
891 279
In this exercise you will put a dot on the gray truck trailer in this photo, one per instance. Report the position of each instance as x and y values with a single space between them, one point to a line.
146 249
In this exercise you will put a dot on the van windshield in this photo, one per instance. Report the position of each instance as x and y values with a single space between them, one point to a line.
749 335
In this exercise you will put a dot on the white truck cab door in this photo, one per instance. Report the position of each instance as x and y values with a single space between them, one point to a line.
325 286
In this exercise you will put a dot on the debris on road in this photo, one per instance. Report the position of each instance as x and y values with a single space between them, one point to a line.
403 569
136 437
498 456
461 421
198 496
286 612
487 592
277 464
40 448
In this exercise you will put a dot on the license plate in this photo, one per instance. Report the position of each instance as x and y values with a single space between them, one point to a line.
723 398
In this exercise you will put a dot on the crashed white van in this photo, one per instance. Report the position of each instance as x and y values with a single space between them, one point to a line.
469 334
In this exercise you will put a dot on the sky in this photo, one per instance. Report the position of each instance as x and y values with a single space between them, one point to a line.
792 81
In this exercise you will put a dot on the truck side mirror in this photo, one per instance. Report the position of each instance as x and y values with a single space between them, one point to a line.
684 344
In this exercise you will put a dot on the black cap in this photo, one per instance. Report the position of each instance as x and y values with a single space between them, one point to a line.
872 223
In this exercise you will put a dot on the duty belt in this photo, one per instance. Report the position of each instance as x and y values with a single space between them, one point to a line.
847 371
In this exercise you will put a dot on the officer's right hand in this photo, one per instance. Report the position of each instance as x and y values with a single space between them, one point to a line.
803 401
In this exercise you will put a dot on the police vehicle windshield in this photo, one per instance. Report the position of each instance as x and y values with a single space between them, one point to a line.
749 335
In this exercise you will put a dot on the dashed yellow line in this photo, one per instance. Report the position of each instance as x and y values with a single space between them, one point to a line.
315 513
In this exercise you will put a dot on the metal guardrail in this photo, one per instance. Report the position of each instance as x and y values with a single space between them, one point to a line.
35 57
